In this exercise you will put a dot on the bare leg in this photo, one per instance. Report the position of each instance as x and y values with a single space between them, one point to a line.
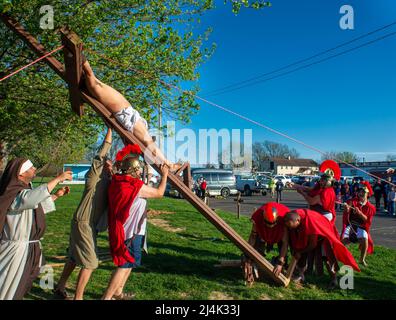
108 96
83 278
120 290
152 150
115 102
363 251
67 271
115 282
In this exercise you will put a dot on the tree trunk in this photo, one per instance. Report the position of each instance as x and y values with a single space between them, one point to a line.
3 157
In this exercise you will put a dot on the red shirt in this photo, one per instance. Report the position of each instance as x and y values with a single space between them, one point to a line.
270 235
327 199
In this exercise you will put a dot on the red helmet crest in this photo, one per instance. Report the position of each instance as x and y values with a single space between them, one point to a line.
331 168
129 150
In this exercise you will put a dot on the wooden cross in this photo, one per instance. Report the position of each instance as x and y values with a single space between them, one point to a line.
72 76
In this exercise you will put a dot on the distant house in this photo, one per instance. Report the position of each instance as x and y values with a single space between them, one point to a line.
290 166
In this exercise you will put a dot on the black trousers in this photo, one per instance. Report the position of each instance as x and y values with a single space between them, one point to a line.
377 200
278 196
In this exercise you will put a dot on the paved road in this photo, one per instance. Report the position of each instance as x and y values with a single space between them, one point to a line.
383 229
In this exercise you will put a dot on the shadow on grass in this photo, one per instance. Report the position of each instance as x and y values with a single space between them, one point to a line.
202 253
375 289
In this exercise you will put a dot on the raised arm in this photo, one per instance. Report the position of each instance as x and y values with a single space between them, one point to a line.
311 200
67 175
106 144
150 192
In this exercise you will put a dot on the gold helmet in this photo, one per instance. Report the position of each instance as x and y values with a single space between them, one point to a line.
128 160
330 171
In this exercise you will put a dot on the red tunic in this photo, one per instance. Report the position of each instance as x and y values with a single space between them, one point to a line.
369 211
327 199
122 192
313 223
270 235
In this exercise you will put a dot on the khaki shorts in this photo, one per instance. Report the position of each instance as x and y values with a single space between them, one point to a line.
82 247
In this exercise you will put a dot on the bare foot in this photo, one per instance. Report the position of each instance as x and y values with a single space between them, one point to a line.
173 167
363 262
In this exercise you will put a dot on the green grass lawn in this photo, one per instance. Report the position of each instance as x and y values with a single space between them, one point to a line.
180 265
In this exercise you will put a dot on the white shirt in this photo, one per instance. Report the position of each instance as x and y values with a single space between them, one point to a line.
136 212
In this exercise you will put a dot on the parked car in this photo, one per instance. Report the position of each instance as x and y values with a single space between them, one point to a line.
220 182
301 179
285 180
249 184
172 192
263 180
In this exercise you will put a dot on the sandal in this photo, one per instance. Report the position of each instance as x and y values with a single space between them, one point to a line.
124 296
61 295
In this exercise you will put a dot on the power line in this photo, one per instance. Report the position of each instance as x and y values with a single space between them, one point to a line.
237 84
307 65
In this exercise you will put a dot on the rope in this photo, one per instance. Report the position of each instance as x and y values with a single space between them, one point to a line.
238 115
31 63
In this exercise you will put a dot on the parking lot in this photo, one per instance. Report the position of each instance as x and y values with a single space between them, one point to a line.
383 229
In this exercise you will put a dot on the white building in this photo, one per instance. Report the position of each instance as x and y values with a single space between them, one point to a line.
290 166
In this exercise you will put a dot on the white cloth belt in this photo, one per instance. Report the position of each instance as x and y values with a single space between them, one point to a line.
23 241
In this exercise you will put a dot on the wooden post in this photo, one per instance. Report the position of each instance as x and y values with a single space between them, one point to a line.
72 53
290 270
238 200
187 179
128 136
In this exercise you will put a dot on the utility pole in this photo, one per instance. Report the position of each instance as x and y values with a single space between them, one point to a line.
159 127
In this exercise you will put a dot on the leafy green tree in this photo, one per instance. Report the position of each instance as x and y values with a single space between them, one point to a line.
390 157
268 149
343 156
147 41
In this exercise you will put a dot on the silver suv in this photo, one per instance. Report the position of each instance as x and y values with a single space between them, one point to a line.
220 182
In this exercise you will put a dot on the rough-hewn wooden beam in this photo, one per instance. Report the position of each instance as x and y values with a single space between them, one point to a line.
72 53
14 26
187 179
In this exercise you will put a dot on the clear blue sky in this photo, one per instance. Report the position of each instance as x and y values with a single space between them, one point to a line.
345 104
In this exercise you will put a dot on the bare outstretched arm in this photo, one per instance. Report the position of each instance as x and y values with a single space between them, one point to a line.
150 192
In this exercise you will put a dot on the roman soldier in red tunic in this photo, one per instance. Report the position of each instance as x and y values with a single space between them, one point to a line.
357 219
122 192
321 198
305 229
267 229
